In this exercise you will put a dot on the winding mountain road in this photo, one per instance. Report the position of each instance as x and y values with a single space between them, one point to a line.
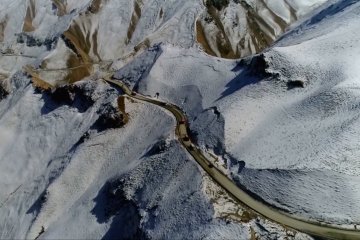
312 228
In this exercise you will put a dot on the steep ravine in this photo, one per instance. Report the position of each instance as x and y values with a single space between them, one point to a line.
239 28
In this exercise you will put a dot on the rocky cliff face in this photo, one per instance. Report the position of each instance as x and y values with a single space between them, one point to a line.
239 28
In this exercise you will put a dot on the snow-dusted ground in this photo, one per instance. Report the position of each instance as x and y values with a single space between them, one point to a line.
60 172
301 142
63 173
113 183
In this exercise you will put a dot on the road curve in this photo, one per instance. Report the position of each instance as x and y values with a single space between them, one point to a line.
312 228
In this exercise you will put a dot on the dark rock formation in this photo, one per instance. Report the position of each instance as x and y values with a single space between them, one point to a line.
218 4
259 66
295 84
3 92
111 117
31 41
76 96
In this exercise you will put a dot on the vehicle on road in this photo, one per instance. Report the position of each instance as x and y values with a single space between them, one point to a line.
186 139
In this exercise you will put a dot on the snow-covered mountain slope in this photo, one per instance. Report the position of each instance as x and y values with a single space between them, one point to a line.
290 115
78 162
65 174
234 28
81 33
